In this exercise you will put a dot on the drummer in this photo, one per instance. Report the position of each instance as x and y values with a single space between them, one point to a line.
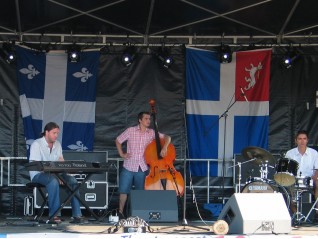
307 159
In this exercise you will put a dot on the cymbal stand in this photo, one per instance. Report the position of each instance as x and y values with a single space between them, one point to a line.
264 172
239 164
240 175
298 216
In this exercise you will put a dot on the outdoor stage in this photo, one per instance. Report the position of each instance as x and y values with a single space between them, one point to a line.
22 228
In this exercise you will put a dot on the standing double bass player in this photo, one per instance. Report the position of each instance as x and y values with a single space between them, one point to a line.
135 168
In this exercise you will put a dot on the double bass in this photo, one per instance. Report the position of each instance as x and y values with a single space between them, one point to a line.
162 174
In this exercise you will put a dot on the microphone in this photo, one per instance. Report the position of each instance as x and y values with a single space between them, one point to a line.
243 94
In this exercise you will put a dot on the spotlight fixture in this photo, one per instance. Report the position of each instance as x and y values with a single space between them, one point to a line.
73 53
164 57
8 52
225 54
128 56
288 60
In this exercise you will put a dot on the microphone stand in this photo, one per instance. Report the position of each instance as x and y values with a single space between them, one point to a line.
184 219
225 114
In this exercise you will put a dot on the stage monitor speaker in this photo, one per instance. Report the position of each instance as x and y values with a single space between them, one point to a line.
154 205
256 213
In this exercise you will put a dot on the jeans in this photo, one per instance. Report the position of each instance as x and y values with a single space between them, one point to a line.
52 185
128 178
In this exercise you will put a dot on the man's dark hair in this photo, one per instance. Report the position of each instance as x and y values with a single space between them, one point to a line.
305 132
49 126
141 114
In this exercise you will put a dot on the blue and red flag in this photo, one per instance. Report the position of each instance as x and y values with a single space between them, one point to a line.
221 121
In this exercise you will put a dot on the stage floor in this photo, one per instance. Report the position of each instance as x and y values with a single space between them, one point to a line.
23 228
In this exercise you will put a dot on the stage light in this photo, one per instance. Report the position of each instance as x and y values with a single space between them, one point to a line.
8 52
288 60
168 61
164 57
73 53
225 54
128 56
126 59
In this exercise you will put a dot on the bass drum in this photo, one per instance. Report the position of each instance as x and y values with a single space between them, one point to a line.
267 186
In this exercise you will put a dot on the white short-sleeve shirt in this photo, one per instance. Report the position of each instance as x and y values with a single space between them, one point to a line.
307 162
40 151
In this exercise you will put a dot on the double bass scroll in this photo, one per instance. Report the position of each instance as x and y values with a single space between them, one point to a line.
162 174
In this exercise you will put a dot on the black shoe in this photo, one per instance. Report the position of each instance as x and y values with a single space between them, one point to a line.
55 220
78 220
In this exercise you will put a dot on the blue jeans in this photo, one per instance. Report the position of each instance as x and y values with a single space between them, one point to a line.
52 185
128 178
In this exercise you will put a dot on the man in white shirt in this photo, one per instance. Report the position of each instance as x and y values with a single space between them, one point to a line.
48 148
307 159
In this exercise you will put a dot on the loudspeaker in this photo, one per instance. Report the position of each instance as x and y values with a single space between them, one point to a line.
256 213
154 205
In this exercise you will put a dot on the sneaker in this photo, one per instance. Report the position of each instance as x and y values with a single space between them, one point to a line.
78 220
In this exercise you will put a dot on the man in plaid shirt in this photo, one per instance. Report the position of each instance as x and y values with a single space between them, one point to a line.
135 169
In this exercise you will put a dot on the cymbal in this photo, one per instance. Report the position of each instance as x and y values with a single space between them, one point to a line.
260 155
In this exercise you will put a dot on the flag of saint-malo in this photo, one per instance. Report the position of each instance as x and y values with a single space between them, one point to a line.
227 106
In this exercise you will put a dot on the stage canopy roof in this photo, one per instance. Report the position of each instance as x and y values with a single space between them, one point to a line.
145 22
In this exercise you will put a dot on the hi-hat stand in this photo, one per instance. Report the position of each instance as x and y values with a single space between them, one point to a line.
313 208
298 217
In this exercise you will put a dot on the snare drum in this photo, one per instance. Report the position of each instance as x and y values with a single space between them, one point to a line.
303 182
255 179
286 171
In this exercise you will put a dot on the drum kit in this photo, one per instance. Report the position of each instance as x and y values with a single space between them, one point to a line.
285 176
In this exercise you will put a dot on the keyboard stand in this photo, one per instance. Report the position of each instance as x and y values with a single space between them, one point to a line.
72 193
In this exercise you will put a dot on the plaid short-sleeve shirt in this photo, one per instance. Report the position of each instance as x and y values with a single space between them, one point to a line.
137 142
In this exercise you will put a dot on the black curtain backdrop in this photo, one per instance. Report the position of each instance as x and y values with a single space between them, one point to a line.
122 92
293 99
